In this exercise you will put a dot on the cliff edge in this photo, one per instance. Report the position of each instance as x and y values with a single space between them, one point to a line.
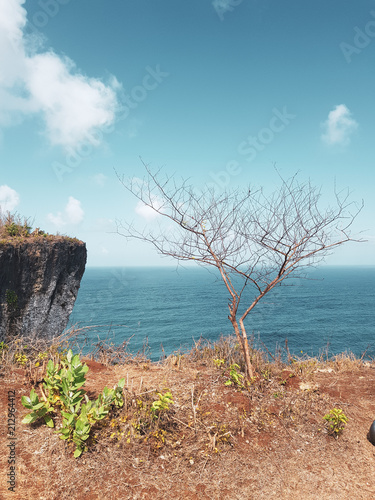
39 282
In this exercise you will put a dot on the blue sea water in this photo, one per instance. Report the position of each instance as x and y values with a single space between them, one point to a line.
171 307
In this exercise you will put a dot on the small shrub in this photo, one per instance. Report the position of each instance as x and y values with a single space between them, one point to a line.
235 377
336 421
162 404
145 420
219 362
20 358
13 225
63 392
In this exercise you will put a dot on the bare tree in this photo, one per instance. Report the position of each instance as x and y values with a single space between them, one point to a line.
253 239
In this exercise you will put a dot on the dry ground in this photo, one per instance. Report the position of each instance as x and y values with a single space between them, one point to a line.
219 442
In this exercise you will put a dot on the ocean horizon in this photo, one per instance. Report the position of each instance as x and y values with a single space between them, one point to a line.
170 308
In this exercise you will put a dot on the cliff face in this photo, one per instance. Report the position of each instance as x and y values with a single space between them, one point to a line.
39 282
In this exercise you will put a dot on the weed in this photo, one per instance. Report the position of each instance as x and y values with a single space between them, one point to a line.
12 225
21 358
63 391
277 395
336 421
162 404
146 420
266 373
218 362
39 409
11 300
41 357
234 376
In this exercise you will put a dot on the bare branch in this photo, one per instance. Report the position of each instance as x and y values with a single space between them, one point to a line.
251 238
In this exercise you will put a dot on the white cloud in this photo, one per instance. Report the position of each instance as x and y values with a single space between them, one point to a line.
147 212
72 105
74 211
339 126
57 220
9 198
223 5
73 214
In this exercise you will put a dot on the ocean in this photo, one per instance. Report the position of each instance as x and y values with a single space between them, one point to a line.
171 307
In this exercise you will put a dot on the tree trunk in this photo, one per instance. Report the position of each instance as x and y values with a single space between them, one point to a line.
244 345
246 350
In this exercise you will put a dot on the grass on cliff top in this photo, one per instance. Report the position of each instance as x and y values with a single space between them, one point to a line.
32 353
14 227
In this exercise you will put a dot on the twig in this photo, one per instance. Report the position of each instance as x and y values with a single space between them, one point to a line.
364 353
182 423
43 395
287 350
264 345
204 465
192 405
147 392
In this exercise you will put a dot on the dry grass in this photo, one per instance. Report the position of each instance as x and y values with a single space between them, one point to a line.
214 441
12 225
15 228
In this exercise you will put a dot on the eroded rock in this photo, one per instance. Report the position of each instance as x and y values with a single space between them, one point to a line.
39 282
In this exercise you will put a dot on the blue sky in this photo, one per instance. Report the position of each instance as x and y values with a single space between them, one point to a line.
194 87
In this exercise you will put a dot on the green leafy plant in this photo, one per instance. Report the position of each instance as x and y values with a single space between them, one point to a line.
62 390
12 229
40 358
11 299
64 381
15 227
161 404
336 421
218 362
235 377
266 373
146 419
39 409
21 358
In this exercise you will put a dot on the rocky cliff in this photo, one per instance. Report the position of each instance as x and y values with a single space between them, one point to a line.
39 282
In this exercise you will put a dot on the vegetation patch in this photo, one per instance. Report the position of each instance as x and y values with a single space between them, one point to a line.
16 228
62 393
142 428
336 421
